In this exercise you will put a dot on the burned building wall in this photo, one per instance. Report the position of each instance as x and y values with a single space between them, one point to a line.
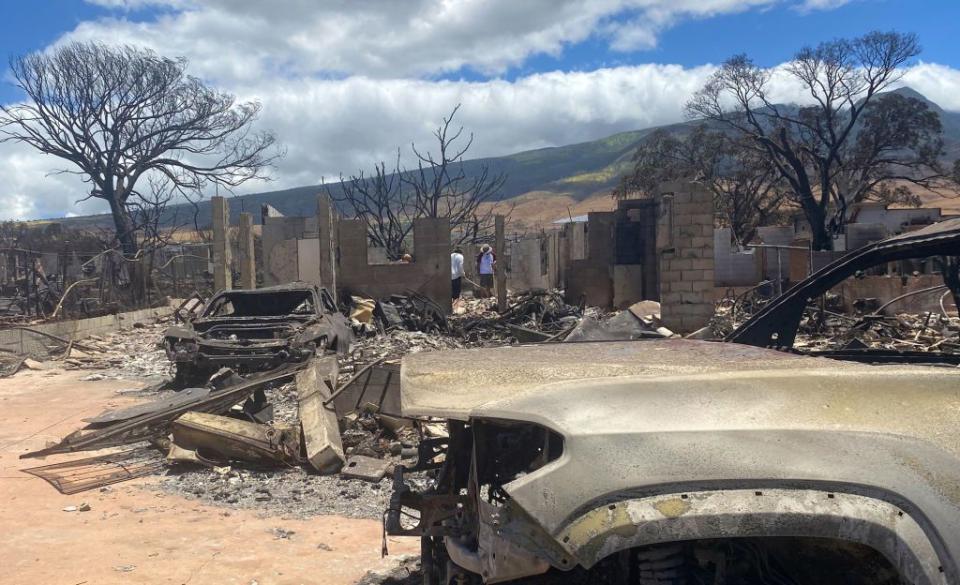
529 263
591 278
428 274
279 237
222 261
685 248
619 263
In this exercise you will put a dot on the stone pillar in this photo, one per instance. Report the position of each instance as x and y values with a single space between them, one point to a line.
248 262
328 239
222 277
500 249
685 247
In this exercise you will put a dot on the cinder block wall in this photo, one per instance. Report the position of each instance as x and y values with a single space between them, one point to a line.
685 247
428 274
278 237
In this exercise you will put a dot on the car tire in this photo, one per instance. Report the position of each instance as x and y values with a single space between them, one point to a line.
662 565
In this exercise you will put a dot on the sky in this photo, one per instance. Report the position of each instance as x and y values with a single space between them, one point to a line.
345 83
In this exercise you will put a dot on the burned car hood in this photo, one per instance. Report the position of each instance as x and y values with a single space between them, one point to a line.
649 422
451 384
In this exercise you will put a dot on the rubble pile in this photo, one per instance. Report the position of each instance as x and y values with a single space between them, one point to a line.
824 326
315 437
902 332
131 354
536 315
395 344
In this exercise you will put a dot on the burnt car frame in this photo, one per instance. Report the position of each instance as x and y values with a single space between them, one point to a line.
257 329
684 461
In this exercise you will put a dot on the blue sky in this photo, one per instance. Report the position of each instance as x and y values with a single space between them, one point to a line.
344 84
770 35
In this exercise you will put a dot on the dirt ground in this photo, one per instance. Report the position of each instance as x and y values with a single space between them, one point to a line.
136 535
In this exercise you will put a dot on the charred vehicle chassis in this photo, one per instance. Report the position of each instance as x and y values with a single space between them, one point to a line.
692 462
257 329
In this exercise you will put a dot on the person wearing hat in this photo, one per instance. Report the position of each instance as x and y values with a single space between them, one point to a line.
486 265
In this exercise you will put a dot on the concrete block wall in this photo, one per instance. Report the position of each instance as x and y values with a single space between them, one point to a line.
279 255
685 243
222 261
894 220
327 237
635 275
862 234
526 265
887 288
428 274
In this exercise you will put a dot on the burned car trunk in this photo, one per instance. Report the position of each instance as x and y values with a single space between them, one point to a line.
257 329
684 461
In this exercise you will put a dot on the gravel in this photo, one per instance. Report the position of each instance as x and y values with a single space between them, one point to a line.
289 493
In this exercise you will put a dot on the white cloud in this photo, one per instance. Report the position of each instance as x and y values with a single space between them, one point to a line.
810 5
641 31
938 83
32 188
334 126
243 40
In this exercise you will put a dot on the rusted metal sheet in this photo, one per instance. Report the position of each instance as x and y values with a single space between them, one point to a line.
216 437
73 477
120 414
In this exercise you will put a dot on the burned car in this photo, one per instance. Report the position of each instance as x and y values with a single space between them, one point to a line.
692 462
257 329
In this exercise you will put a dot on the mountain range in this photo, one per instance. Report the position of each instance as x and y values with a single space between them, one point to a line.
550 183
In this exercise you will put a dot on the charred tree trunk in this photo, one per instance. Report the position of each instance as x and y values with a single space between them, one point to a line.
127 238
126 234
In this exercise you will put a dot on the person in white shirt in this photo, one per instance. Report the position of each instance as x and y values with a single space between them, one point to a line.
486 266
456 272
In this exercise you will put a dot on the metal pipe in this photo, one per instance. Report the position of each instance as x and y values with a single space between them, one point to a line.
346 384
909 294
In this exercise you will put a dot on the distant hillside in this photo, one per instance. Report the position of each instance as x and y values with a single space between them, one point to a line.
573 173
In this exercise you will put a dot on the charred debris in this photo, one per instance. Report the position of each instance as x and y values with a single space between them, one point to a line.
282 378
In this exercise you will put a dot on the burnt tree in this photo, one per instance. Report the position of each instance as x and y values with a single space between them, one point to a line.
747 190
852 142
439 186
120 114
